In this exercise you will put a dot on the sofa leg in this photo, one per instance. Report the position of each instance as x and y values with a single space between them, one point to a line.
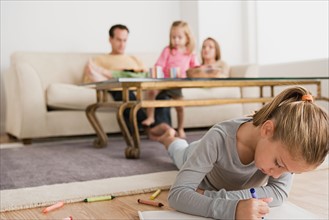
11 137
27 141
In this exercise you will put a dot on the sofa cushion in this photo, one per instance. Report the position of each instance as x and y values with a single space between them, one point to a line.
211 93
69 96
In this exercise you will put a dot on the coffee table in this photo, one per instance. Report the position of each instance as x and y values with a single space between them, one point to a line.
139 85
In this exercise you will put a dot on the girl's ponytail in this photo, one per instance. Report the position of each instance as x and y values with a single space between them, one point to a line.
299 124
292 94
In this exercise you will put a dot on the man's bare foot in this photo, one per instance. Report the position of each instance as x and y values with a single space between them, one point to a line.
168 137
148 121
181 133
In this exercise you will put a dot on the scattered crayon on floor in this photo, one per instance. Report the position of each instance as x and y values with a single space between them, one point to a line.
148 202
154 195
53 207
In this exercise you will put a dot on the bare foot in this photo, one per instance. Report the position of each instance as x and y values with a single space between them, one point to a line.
181 133
157 131
148 121
168 137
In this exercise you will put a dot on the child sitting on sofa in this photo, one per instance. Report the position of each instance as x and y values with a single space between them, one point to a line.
179 55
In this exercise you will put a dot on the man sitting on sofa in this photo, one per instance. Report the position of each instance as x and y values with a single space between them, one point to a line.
104 67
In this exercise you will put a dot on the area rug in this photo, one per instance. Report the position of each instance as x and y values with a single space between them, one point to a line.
63 162
32 197
71 170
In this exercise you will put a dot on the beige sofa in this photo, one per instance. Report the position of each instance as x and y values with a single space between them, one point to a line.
44 97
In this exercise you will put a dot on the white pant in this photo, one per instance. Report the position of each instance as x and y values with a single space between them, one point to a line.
179 150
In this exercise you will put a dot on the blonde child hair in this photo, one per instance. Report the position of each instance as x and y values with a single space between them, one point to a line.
190 44
300 124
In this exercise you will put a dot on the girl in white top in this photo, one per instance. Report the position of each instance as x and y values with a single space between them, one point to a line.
288 135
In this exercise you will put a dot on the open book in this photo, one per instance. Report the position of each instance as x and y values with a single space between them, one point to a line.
286 211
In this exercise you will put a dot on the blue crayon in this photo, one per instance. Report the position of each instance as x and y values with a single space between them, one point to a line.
254 195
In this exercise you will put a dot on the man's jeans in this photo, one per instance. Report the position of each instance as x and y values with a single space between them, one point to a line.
162 115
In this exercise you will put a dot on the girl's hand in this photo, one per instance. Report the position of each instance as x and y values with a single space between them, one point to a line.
252 208
200 191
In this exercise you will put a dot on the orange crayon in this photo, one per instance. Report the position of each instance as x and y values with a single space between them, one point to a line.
148 202
52 207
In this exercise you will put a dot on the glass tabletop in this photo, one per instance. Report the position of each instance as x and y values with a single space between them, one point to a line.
217 79
133 80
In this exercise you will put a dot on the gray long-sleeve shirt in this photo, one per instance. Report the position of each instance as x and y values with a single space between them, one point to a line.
213 164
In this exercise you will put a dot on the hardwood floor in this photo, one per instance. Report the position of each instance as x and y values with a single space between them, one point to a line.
125 207
309 191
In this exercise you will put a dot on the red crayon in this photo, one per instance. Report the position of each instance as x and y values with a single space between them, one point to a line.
148 202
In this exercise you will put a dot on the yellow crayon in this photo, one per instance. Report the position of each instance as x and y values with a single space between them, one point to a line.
154 195
99 198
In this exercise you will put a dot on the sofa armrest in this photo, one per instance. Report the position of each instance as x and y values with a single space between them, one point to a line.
25 100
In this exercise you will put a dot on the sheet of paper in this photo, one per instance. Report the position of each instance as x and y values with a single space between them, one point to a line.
164 215
286 211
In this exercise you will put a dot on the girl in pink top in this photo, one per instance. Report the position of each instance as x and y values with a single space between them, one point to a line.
179 55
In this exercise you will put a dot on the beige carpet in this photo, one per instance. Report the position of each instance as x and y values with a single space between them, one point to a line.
32 197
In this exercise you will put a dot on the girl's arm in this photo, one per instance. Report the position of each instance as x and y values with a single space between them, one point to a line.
162 60
183 195
194 62
278 189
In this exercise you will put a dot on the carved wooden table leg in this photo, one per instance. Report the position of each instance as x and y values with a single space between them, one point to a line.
123 126
102 139
134 151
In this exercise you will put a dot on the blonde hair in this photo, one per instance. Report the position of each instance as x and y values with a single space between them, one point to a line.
190 45
302 126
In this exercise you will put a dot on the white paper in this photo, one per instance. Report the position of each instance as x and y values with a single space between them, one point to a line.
286 211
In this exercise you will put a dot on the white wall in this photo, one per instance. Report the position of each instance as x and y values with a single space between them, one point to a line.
292 30
261 32
83 25
266 32
223 20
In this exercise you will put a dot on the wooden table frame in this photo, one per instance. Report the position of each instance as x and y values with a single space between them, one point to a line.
140 85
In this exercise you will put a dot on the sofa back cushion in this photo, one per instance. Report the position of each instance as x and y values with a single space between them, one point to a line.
54 67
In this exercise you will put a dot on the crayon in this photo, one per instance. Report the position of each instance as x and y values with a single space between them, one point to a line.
154 195
254 195
99 198
52 207
147 202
